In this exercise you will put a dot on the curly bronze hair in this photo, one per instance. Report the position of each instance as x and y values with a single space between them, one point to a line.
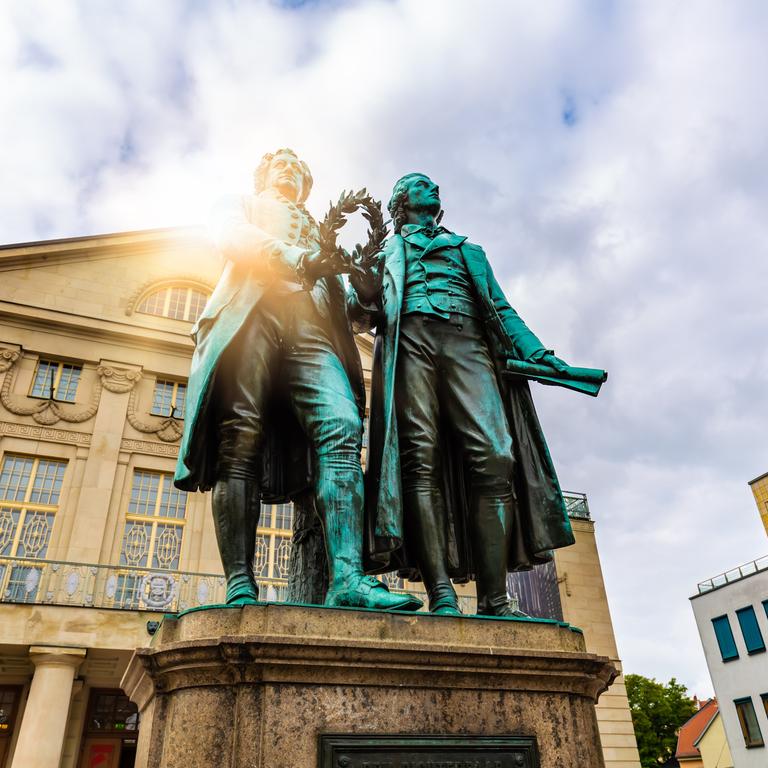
396 204
260 174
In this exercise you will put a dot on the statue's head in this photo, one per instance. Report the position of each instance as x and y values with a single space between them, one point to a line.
413 192
282 170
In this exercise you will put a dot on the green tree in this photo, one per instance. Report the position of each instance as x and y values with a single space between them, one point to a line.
658 711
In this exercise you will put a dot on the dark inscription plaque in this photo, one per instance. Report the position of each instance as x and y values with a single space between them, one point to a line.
339 751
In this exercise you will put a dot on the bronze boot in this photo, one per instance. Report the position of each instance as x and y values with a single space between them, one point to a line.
340 504
427 532
236 508
491 533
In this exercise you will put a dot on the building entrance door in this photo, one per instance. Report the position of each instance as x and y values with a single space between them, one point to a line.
111 729
9 706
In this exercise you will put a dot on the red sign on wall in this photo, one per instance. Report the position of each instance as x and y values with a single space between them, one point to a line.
101 755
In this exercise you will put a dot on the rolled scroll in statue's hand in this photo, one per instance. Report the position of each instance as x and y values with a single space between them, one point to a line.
586 380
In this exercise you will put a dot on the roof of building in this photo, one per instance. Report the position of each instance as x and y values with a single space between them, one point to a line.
735 574
693 728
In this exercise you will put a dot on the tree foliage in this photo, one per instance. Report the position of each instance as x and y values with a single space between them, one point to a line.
658 711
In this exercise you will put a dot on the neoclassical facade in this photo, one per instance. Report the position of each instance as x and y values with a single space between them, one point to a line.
95 542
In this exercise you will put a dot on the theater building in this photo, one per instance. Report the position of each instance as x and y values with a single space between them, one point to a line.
96 543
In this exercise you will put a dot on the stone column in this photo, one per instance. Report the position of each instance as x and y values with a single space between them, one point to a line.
41 735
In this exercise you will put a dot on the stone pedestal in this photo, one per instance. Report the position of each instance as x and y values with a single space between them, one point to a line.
259 686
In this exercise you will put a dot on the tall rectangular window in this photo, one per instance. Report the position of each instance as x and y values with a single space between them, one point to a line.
725 639
750 728
154 525
273 542
169 399
56 380
29 498
753 638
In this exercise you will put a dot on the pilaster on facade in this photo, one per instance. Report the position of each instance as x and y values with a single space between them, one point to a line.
98 479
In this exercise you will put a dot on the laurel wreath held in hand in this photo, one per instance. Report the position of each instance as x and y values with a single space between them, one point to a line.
361 255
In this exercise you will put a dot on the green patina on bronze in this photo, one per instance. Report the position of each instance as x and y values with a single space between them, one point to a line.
275 395
459 481
447 421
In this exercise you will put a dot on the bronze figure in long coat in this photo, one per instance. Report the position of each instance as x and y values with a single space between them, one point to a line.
539 521
275 396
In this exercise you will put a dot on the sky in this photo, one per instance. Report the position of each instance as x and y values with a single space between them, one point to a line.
610 157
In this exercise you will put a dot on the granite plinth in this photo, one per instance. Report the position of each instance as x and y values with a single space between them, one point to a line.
257 686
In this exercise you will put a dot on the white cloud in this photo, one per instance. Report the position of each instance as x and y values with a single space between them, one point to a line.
610 157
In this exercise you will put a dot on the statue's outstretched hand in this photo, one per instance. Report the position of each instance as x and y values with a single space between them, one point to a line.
366 276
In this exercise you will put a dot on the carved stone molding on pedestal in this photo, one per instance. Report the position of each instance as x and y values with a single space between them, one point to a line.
259 686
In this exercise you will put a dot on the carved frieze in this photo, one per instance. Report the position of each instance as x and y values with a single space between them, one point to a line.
146 446
44 433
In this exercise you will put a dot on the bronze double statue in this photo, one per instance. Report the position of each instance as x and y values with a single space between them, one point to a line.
459 483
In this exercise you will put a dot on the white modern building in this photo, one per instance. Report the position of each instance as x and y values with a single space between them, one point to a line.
731 613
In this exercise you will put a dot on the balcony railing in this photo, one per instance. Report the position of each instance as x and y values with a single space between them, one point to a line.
576 505
107 586
735 574
49 582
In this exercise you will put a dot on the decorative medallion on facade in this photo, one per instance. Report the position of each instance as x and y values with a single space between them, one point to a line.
158 590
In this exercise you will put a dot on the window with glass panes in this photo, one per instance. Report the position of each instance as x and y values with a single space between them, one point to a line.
56 380
273 542
178 302
30 489
169 399
750 728
111 712
154 523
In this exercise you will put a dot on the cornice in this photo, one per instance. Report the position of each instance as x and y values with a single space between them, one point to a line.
95 328
103 246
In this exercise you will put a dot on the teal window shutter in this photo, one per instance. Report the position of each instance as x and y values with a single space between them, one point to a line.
753 638
725 639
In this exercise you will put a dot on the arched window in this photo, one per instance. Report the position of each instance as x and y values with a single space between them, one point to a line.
179 302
